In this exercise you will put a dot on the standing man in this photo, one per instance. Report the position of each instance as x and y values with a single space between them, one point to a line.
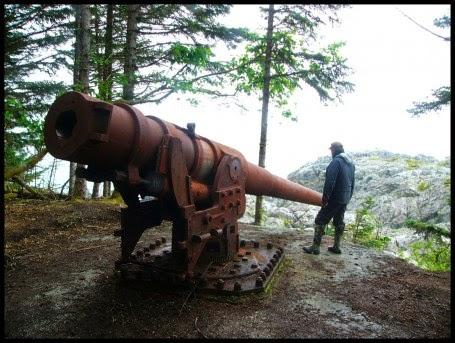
338 189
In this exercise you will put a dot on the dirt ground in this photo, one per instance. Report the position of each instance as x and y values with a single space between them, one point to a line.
60 282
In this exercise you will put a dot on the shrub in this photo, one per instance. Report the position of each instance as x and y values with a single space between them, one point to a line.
433 252
330 230
413 163
423 186
366 228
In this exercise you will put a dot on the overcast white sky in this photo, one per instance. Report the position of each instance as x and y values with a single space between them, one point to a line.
395 63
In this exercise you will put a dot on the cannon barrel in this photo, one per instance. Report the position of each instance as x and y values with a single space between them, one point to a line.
105 136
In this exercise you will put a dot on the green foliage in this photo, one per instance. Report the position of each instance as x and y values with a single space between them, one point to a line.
442 22
427 229
181 61
330 230
444 163
422 186
287 222
431 254
292 63
413 164
31 32
441 98
446 182
365 229
198 55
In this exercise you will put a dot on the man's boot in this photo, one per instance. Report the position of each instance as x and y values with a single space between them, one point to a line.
336 241
314 249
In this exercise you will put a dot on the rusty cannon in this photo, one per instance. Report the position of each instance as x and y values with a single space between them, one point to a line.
166 172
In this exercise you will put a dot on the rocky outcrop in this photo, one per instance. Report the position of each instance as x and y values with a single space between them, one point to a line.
402 187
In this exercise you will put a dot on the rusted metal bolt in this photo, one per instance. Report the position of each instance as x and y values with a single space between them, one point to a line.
158 242
270 266
236 265
248 252
266 271
259 282
237 286
275 256
152 246
237 190
263 275
278 252
163 240
254 265
256 244
242 243
208 219
220 284
273 261
280 249
269 245
238 202
244 259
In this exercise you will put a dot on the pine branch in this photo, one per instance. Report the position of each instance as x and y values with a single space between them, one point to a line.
447 39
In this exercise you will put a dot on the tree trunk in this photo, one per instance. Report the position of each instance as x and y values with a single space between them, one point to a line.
265 107
106 89
106 189
85 48
96 190
82 69
21 182
130 52
11 172
77 42
99 70
72 179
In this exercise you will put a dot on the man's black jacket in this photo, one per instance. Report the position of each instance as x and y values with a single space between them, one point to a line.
339 180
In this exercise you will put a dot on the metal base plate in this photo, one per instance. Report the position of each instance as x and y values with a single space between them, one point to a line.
250 271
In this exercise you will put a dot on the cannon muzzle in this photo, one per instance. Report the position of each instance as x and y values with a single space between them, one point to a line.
109 137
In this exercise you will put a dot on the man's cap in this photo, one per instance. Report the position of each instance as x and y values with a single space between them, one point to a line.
336 145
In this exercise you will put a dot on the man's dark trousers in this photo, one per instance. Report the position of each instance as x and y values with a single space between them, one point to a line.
331 210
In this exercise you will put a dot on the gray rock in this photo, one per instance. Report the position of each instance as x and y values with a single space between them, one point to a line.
402 187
